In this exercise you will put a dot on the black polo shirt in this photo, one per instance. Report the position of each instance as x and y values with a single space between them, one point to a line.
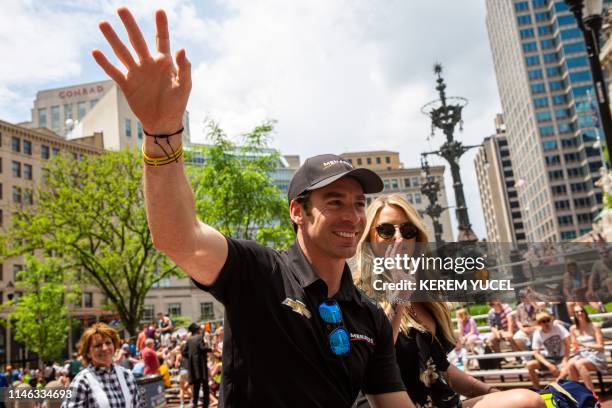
276 351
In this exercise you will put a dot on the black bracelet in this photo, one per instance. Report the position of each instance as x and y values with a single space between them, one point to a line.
165 136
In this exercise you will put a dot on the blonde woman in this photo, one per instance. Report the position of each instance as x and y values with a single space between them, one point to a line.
423 331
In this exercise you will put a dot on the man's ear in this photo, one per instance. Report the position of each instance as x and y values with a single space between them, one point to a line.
296 212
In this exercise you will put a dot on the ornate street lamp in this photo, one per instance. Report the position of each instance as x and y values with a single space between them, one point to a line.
430 188
589 20
445 114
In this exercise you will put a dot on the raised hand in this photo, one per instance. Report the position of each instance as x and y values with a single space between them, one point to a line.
156 90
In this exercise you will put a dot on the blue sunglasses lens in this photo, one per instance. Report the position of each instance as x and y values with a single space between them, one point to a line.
340 341
330 312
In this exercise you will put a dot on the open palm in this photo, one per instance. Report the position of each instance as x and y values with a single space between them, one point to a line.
156 90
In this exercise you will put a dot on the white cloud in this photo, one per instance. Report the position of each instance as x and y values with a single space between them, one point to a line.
337 75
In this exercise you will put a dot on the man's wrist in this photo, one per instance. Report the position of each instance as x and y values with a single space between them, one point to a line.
163 128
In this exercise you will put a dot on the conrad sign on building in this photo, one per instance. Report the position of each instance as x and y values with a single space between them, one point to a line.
78 110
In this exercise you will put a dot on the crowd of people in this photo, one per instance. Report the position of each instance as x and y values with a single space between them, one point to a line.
192 356
565 348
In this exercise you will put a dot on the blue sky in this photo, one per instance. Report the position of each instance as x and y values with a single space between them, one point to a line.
337 75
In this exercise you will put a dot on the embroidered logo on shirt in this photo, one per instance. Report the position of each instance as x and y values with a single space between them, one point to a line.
362 337
297 307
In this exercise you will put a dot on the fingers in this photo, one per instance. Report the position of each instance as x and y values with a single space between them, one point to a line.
162 37
111 70
184 69
134 33
117 45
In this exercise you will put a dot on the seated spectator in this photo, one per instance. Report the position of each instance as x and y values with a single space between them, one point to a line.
468 329
575 286
555 340
166 327
502 325
525 320
124 357
600 280
458 355
587 340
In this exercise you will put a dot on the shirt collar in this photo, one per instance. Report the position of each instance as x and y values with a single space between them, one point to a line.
307 275
102 370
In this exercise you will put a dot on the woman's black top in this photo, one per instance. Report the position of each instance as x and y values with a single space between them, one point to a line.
422 360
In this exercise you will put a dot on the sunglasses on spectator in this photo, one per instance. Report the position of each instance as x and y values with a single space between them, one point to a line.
544 321
338 336
386 230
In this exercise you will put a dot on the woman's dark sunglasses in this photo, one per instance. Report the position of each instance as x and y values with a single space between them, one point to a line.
386 230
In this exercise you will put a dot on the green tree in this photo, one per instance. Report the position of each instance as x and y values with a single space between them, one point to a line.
40 316
90 214
234 189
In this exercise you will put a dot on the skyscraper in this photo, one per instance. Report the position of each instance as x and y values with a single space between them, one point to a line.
497 185
546 92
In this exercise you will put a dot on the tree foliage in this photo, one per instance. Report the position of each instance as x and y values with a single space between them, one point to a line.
90 214
40 315
234 188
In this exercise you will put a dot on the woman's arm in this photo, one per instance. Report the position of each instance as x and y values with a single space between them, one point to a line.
467 385
599 342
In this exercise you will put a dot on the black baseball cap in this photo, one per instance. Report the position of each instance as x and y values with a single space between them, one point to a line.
320 171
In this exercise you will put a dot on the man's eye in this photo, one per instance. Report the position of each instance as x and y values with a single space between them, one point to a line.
361 204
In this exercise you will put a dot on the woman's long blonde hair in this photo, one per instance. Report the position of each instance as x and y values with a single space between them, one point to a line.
363 271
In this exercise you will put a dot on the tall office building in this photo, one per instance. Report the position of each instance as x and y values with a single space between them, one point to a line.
497 185
546 89
405 181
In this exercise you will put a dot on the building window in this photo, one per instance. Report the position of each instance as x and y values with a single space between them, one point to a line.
16 169
386 183
55 118
16 144
27 147
378 161
387 159
409 198
1 195
174 309
407 182
87 299
27 171
416 182
44 152
55 151
92 103
394 184
148 313
28 197
128 128
535 74
139 134
369 160
1 223
67 112
16 195
359 162
417 198
42 117
16 269
81 110
207 311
